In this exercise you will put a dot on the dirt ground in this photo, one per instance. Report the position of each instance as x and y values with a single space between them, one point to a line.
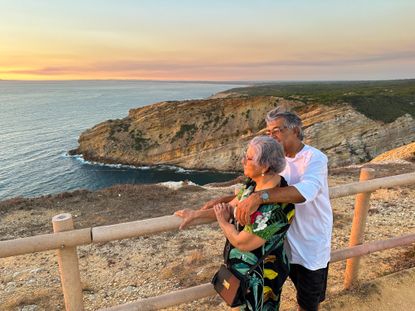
124 271
391 292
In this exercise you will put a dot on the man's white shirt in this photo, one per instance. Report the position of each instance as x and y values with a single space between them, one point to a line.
309 235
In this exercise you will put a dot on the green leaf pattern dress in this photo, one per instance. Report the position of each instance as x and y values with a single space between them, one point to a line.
270 222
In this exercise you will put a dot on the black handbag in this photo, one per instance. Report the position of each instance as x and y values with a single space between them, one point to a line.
231 285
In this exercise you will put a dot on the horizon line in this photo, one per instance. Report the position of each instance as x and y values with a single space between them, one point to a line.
203 81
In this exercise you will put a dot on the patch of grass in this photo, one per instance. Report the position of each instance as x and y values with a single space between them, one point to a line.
247 114
24 297
378 100
216 120
195 257
262 124
185 129
139 142
117 126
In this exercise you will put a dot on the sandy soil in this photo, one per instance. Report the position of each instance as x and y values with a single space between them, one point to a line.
391 292
123 271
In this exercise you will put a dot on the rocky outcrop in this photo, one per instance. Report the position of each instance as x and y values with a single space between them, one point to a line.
404 153
212 133
349 137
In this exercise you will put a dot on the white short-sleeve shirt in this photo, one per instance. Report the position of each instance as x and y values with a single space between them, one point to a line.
309 236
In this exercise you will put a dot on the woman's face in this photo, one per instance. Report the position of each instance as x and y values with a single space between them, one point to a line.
251 169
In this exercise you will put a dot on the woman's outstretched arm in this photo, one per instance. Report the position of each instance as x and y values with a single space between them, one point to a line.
190 215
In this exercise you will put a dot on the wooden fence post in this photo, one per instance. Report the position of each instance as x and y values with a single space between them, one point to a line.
358 228
68 266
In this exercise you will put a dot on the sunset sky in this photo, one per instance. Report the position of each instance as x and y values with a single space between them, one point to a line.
207 40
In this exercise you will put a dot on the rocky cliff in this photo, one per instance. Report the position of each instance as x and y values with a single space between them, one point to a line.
212 133
403 153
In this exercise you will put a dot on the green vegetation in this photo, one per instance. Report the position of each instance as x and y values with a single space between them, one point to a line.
247 114
262 124
216 120
188 129
117 126
378 100
139 142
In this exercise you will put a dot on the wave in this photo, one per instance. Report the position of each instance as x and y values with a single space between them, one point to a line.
162 167
81 159
175 185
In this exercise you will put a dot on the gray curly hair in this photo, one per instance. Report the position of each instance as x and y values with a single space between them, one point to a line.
268 153
291 120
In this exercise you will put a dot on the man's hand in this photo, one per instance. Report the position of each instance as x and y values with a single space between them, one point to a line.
213 202
187 214
247 207
209 204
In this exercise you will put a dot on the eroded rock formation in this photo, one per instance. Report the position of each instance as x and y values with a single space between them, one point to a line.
212 133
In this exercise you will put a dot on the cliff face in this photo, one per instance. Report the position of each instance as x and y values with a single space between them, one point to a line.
212 133
405 153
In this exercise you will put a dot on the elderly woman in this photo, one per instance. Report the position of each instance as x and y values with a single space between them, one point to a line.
263 161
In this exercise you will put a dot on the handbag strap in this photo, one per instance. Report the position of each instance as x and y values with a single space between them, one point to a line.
227 247
266 253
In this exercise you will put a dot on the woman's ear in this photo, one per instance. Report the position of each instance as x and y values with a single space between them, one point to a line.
266 170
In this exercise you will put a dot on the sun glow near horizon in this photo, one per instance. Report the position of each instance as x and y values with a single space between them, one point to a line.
244 40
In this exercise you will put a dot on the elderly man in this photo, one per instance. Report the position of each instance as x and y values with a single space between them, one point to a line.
309 237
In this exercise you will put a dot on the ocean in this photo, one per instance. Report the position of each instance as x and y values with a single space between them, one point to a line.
41 121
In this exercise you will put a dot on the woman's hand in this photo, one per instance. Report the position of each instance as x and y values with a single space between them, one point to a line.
223 212
188 215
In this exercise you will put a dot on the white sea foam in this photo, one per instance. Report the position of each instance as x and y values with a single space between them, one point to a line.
177 169
177 184
174 168
80 158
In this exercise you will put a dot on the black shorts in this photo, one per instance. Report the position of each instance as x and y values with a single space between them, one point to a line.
310 285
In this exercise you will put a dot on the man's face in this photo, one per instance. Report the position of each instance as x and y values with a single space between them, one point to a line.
277 130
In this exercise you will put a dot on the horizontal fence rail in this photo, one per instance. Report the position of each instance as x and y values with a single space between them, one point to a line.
168 300
206 290
371 247
45 242
140 228
371 185
145 227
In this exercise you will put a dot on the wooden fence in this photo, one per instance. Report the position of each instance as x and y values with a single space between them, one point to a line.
65 240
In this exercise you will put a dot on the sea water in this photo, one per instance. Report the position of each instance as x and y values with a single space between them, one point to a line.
41 121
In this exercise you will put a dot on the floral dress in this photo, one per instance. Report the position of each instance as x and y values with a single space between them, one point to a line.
270 222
